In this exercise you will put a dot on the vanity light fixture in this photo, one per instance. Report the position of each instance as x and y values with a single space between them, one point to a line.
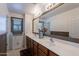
50 6
37 11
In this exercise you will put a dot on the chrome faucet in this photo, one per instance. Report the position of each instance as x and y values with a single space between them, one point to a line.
51 39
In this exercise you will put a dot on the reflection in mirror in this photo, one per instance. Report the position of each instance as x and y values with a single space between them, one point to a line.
62 22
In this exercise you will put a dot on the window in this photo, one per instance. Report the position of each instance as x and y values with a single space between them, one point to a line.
17 25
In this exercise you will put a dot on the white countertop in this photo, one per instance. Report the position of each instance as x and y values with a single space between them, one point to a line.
60 47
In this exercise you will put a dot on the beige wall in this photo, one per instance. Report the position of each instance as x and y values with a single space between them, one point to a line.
28 23
3 9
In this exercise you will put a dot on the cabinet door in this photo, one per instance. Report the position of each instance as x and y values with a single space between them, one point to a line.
28 42
44 49
31 43
52 53
35 50
41 53
35 43
31 46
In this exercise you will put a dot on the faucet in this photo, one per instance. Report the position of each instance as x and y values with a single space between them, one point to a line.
51 39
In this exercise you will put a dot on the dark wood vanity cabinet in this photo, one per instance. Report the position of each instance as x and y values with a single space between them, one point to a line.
43 51
28 42
52 53
35 50
38 49
29 45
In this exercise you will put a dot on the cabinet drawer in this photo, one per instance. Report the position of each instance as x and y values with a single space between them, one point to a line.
44 49
52 53
40 53
35 43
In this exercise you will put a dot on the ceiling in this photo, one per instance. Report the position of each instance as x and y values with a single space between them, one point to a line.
23 7
38 8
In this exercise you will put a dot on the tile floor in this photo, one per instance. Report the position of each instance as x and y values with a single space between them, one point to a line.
14 52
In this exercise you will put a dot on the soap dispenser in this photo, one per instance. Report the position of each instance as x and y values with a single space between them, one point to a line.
40 33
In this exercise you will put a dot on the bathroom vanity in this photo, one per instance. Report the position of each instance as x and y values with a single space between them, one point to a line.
46 47
37 49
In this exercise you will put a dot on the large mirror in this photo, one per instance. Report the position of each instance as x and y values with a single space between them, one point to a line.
62 22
